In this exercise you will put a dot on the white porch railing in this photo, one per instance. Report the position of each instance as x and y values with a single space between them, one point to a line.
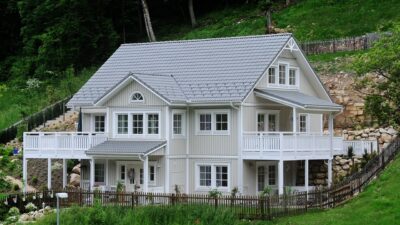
289 145
360 146
60 144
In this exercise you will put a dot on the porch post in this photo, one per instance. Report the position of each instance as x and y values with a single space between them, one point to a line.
280 177
330 127
146 174
106 172
306 174
24 173
329 172
91 178
64 175
294 120
49 173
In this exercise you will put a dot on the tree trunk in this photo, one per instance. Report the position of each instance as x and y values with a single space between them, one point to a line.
191 12
287 2
269 23
147 22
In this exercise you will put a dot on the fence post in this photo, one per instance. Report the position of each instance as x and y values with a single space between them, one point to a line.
133 200
216 202
262 206
306 201
269 207
383 160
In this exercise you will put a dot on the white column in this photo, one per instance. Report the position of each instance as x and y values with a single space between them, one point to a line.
306 174
106 172
280 177
49 173
168 118
24 172
91 177
240 148
187 150
330 127
329 172
64 174
146 174
294 120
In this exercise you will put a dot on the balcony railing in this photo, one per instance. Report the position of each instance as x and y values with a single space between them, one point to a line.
289 145
60 144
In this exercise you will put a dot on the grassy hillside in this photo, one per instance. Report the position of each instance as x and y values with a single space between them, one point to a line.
379 204
308 19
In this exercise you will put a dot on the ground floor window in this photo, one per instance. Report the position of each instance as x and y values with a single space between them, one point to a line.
99 173
266 175
212 176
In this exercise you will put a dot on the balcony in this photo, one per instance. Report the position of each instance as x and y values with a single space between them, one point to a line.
61 145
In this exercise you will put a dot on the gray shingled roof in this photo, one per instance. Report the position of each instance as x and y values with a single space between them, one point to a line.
220 69
125 147
301 99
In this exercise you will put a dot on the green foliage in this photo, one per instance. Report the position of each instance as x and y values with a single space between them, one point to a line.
149 215
14 211
329 19
34 180
266 191
4 185
350 152
30 207
214 193
383 100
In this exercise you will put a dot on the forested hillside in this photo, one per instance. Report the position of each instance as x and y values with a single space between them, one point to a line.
50 48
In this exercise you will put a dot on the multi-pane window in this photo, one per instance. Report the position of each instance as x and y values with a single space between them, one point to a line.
221 121
261 178
221 178
272 122
205 176
292 77
152 173
271 174
99 173
152 123
282 74
122 172
303 123
99 123
177 123
271 75
122 124
141 176
205 122
137 123
260 122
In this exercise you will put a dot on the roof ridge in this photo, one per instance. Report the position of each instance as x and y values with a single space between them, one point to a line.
151 74
207 39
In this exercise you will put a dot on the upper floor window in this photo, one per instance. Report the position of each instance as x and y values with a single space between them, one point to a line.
212 122
137 97
284 75
99 123
178 123
138 123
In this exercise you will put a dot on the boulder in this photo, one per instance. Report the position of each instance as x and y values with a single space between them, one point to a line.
77 169
346 167
319 181
25 217
320 175
386 138
343 161
391 131
75 180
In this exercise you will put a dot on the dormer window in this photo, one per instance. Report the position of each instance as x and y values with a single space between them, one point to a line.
137 97
283 75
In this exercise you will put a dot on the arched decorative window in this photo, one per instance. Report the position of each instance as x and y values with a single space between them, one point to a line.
137 97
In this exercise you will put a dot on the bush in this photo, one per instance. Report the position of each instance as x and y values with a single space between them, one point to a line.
16 187
34 180
30 207
14 211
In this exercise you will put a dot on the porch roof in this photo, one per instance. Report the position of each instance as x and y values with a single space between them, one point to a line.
126 148
297 99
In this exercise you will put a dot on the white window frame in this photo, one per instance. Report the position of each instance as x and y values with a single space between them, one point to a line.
307 122
135 163
286 85
266 120
93 122
213 113
136 101
266 165
213 176
183 124
130 134
104 173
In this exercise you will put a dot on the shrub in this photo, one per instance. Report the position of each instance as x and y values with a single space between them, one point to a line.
16 187
350 152
34 180
214 193
30 207
14 211
266 191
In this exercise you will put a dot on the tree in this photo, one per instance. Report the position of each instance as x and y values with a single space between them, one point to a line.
191 12
266 7
383 97
147 22
2 89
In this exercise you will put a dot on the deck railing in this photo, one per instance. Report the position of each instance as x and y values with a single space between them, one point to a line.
60 144
288 144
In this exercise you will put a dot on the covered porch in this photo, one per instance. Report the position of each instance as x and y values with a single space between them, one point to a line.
127 165
290 176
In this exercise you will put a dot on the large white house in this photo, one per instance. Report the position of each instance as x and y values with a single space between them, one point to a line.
198 115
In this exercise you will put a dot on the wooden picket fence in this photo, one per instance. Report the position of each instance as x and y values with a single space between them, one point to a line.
249 207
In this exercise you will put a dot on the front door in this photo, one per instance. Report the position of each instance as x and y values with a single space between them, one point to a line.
268 121
134 178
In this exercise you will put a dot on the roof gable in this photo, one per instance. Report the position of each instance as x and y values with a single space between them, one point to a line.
208 70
